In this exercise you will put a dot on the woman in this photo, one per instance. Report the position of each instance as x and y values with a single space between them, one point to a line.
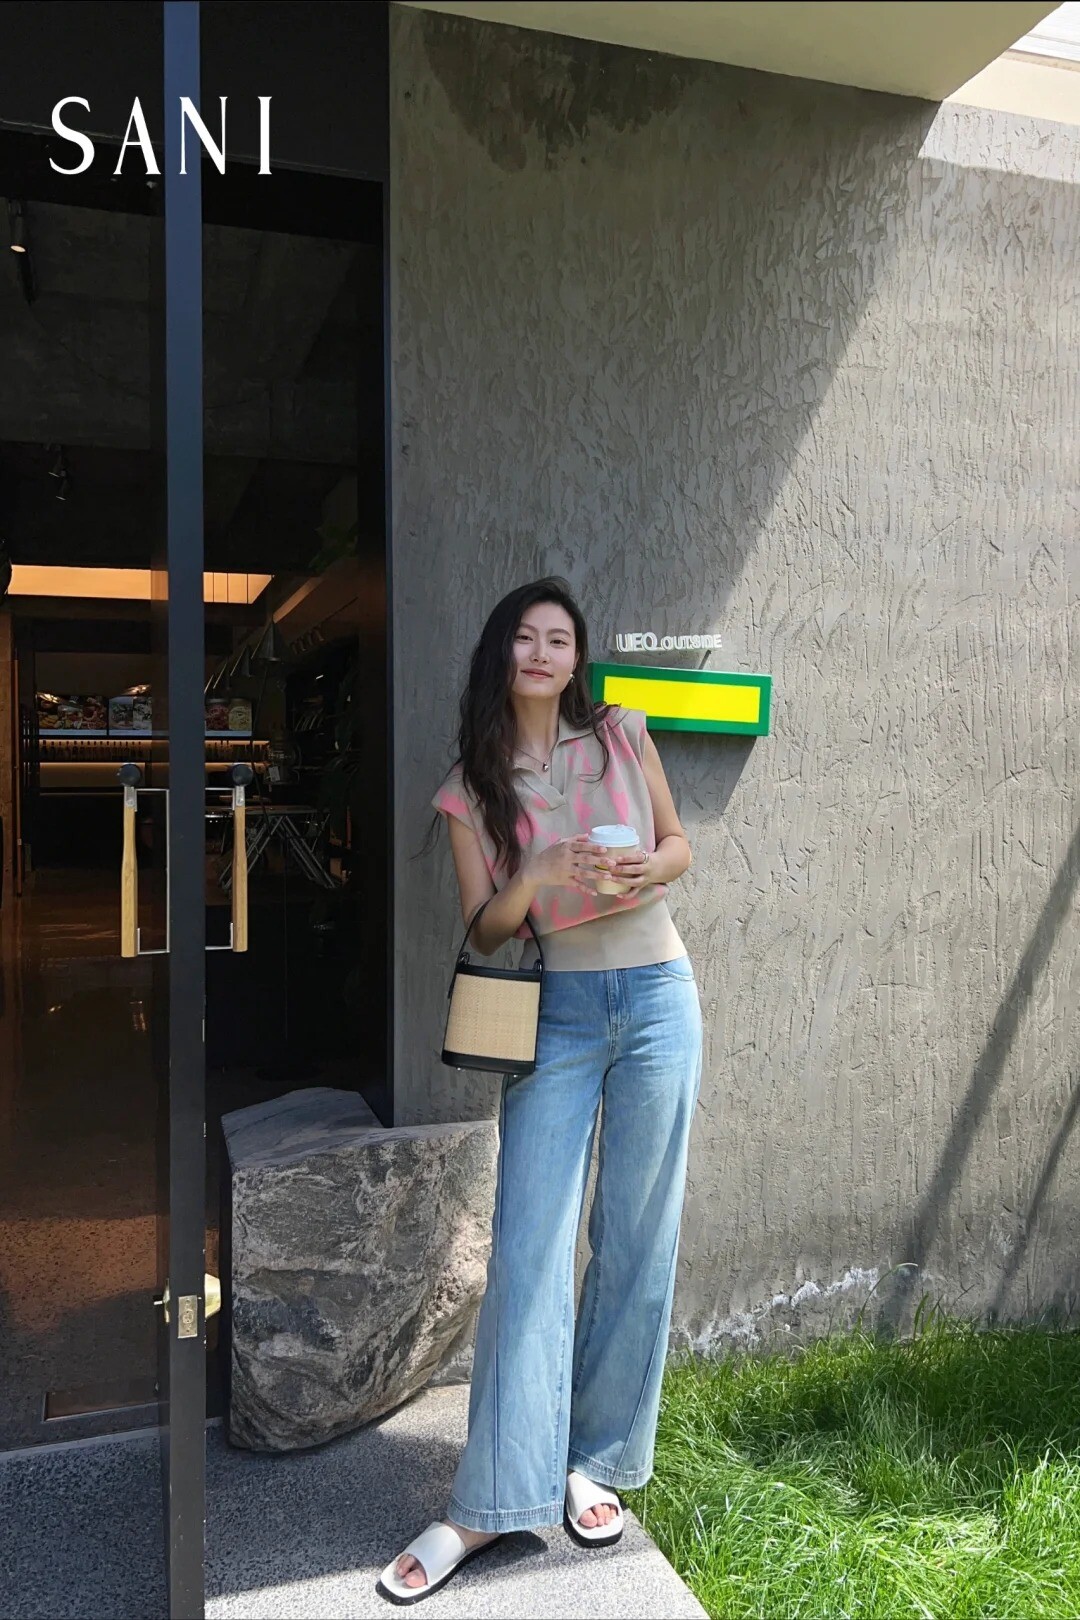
561 1413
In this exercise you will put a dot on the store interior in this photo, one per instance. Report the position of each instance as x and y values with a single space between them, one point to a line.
295 687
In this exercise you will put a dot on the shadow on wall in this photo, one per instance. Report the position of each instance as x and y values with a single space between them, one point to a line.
677 256
986 1077
710 341
723 758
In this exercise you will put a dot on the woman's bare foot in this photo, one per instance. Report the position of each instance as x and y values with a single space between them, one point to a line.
593 1517
413 1574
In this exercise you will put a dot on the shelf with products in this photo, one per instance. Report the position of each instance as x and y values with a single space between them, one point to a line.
103 749
130 717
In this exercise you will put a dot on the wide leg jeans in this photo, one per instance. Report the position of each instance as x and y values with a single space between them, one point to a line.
549 1393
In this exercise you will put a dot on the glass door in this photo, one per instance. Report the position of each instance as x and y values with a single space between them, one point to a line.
194 667
102 922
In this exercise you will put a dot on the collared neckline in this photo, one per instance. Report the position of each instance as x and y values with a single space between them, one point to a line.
566 732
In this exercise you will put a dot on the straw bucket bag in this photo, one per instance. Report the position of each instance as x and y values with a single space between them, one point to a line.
494 1013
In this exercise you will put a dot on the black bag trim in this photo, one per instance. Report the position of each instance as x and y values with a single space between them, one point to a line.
466 1060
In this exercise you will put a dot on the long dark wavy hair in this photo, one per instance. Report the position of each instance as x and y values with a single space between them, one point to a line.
487 734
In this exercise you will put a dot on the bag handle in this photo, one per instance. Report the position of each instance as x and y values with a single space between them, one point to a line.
463 953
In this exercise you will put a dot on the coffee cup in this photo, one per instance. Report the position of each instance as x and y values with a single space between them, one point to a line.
620 838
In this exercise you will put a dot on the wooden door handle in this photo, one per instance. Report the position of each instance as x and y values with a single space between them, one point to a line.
131 777
242 776
240 876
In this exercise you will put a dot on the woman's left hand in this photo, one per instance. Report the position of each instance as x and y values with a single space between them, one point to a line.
635 870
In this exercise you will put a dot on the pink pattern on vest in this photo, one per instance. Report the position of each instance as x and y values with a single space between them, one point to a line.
622 795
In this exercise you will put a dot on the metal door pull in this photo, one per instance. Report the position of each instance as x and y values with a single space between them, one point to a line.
131 776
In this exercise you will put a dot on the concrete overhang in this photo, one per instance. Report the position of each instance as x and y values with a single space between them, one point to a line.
926 48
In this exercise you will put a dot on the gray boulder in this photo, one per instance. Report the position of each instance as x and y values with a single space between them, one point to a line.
359 1257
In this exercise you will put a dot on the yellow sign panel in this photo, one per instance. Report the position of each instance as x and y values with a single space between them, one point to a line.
687 700
680 701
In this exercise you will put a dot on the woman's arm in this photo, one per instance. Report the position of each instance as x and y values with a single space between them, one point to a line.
570 861
506 913
672 855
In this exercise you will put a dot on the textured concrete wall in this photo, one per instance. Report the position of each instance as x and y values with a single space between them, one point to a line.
798 364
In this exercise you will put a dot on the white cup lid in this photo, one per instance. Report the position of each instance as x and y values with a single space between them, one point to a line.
619 837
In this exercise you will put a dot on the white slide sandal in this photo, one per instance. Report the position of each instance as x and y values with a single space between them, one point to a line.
581 1495
440 1551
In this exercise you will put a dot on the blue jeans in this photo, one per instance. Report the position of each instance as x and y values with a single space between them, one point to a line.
548 1394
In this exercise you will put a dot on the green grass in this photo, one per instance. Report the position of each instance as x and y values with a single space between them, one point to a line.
937 1477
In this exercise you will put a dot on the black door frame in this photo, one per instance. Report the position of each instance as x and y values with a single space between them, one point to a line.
182 1173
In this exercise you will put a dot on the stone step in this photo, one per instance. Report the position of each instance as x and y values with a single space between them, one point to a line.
299 1535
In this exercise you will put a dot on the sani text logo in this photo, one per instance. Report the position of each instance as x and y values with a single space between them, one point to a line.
138 134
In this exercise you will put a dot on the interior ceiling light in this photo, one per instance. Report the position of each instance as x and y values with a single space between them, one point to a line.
121 584
235 589
17 227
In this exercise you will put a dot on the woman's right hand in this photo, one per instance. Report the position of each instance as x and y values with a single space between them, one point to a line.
571 862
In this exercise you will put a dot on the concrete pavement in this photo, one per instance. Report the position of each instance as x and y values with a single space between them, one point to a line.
299 1535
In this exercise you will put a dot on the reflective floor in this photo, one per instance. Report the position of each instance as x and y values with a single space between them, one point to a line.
77 1165
78 1123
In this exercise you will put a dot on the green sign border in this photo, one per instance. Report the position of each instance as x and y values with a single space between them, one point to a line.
706 677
